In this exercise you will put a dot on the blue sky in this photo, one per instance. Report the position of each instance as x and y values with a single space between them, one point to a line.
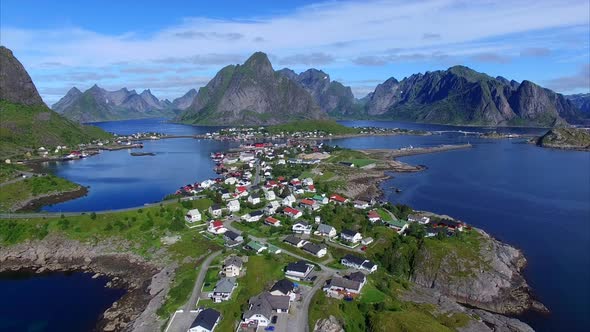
172 46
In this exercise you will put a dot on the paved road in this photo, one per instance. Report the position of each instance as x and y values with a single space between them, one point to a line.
303 316
182 320
26 174
71 214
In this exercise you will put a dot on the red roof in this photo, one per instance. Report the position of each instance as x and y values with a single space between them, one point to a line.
241 189
307 202
338 198
271 220
374 214
217 223
311 187
281 178
291 210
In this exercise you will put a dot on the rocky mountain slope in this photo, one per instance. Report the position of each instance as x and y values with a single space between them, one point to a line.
461 95
582 101
25 121
185 101
251 93
333 98
98 104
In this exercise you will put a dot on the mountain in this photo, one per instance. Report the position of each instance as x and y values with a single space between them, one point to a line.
333 98
251 93
185 101
582 101
26 123
98 104
460 95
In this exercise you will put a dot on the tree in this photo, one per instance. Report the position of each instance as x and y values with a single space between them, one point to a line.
93 216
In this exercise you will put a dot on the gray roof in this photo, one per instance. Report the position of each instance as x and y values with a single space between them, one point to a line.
348 232
345 283
292 239
264 304
299 266
284 286
312 248
206 318
323 228
231 235
233 260
225 285
356 276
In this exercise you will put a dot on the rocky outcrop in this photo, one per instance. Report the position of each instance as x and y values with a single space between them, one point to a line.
481 320
460 95
185 101
98 104
566 138
16 86
330 324
487 275
582 102
252 93
146 283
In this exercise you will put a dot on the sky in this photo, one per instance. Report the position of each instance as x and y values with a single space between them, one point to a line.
172 46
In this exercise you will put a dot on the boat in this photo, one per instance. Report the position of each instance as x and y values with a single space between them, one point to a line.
139 154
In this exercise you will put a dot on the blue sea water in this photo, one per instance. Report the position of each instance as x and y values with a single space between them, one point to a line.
53 302
535 199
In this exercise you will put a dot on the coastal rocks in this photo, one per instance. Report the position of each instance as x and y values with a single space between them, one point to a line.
330 324
34 203
565 138
488 279
146 283
481 320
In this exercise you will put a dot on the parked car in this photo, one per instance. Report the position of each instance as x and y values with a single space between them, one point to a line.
273 320
269 328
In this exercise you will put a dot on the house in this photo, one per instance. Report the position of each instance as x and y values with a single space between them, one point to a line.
373 216
207 183
231 180
346 164
272 221
193 216
253 216
225 194
223 290
309 204
399 225
301 227
269 195
351 236
419 219
299 270
298 190
326 230
310 188
358 263
307 182
242 191
288 201
232 266
233 206
262 307
314 249
321 199
274 249
338 199
367 241
292 213
284 287
215 210
451 225
206 321
348 286
295 241
254 199
216 227
272 207
358 204
257 246
232 239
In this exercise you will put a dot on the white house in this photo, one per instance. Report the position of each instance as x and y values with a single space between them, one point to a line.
254 199
231 180
269 195
253 216
419 219
361 204
351 236
193 216
216 227
216 210
207 183
298 270
358 263
326 230
233 206
295 241
314 249
307 182
373 216
288 201
223 290
272 222
272 208
301 227
206 321
262 308
348 286
232 266
292 213
284 287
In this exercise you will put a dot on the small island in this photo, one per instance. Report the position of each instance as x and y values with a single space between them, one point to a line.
565 138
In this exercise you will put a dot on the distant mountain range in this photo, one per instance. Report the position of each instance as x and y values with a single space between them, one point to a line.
254 93
25 121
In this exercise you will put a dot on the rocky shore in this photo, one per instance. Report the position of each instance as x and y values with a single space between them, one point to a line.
35 203
146 283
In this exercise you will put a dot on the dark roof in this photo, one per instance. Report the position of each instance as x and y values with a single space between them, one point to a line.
356 276
312 248
348 232
291 239
255 196
284 286
299 266
354 259
231 235
216 207
345 283
256 213
206 319
223 191
233 260
368 265
303 223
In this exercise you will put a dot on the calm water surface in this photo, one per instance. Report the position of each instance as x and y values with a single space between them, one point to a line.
535 199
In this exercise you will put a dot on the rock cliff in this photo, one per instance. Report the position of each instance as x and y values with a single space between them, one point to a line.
16 86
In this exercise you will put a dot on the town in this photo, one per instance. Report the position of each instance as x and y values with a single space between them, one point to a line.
273 200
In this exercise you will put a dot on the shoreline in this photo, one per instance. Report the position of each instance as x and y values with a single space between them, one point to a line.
34 204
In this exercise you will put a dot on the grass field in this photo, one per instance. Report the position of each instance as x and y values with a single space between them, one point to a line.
14 193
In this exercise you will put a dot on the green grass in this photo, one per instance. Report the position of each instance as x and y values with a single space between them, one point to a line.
14 193
370 294
325 126
383 214
211 279
180 291
10 171
26 128
361 162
